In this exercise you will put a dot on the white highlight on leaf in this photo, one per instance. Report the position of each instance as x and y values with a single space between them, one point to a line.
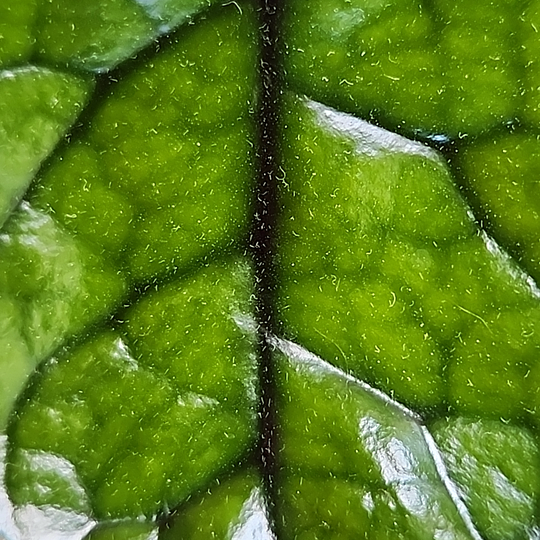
317 366
452 489
44 464
197 401
11 74
8 528
253 519
51 523
246 322
508 264
370 140
121 353
399 465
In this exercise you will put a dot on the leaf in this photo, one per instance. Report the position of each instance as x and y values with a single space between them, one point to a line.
32 122
421 70
234 508
412 298
379 470
487 458
128 279
136 238
205 408
420 67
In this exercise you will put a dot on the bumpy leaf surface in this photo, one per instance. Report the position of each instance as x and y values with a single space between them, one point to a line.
131 387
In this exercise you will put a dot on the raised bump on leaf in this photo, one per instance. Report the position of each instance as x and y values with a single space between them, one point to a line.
16 39
502 174
91 35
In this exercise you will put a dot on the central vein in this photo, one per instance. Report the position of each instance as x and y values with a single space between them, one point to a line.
262 240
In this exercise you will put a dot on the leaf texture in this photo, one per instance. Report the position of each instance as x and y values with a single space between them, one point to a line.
129 297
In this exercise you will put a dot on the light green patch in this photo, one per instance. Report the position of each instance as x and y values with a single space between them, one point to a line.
495 467
37 106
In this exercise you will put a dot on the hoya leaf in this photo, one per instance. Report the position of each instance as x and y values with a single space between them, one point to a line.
36 107
496 468
124 531
232 509
363 469
159 180
415 65
125 275
117 428
16 25
502 174
383 272
93 36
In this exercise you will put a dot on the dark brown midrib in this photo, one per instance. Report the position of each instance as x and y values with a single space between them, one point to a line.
262 239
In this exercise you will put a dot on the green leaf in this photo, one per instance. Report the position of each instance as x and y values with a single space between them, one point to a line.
108 230
123 531
98 35
204 405
141 384
378 468
412 298
496 468
419 66
234 508
36 108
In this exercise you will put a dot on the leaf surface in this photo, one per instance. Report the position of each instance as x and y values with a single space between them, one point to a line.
175 425
36 108
369 456
410 278
128 279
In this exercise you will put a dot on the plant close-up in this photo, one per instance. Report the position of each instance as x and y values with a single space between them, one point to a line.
268 269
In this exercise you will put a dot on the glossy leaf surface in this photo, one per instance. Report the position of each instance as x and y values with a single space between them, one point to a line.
134 361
